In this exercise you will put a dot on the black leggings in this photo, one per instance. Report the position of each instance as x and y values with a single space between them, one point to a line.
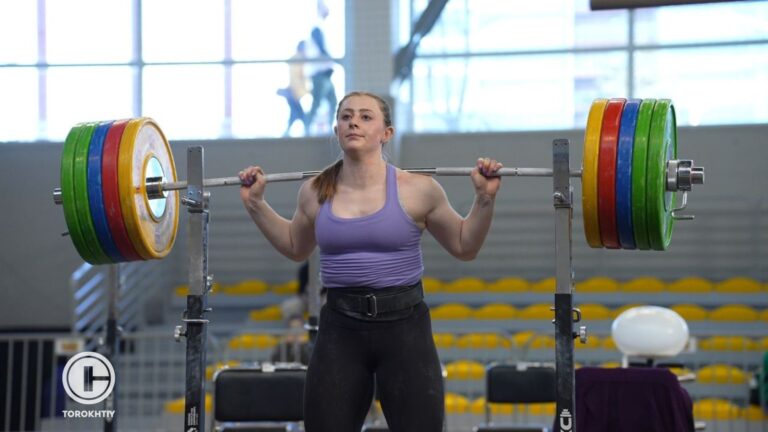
402 355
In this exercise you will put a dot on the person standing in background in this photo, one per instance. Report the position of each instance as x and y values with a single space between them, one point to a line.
320 70
297 88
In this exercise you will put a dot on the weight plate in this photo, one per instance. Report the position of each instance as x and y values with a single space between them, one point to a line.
68 194
145 152
624 174
96 195
606 173
82 205
589 173
112 194
639 160
662 146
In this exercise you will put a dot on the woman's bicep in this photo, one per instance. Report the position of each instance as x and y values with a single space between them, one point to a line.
303 222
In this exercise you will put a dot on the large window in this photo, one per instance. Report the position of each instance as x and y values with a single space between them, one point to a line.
492 65
202 69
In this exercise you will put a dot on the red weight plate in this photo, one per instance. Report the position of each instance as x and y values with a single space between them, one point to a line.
112 194
606 173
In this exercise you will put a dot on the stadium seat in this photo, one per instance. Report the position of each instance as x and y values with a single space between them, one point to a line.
763 315
546 285
594 311
728 343
456 404
763 344
465 285
509 284
644 284
598 284
608 344
252 341
268 313
716 409
211 369
739 285
444 340
247 287
465 370
536 312
432 285
451 311
721 374
693 284
495 311
690 312
483 340
479 405
593 342
734 312
286 288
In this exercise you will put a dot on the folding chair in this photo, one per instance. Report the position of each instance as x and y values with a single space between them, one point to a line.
263 398
517 383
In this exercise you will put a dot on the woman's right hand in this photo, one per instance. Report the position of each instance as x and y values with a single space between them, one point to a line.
253 184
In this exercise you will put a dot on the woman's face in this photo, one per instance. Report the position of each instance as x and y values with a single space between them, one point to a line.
360 125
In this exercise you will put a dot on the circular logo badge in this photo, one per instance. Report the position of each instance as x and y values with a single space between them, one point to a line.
88 378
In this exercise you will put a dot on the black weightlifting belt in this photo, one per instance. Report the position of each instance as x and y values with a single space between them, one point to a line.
374 301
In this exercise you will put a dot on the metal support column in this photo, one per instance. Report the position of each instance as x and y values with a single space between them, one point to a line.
196 201
564 313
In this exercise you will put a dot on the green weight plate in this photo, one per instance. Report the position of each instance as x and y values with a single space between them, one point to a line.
68 194
662 146
82 204
639 160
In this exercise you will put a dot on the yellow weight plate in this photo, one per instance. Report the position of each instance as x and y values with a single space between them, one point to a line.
145 152
589 172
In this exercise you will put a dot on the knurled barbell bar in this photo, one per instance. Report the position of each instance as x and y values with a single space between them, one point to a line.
120 192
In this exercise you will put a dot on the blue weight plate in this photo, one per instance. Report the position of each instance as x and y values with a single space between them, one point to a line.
624 174
96 194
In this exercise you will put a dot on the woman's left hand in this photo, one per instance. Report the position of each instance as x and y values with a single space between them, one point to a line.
486 183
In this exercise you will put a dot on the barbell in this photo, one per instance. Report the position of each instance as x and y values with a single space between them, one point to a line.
119 189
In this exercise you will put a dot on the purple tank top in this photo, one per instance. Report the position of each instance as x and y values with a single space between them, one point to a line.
379 250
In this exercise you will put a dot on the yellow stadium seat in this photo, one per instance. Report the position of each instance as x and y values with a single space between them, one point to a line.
444 340
522 339
483 340
763 344
692 284
465 285
542 342
763 315
721 374
211 369
616 312
465 370
594 311
645 284
432 285
176 406
269 313
536 311
247 287
734 312
728 343
183 290
716 409
456 404
598 284
739 285
478 407
546 285
509 284
681 371
542 409
495 311
451 311
286 288
608 344
690 312
252 341
610 365
755 413
593 342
